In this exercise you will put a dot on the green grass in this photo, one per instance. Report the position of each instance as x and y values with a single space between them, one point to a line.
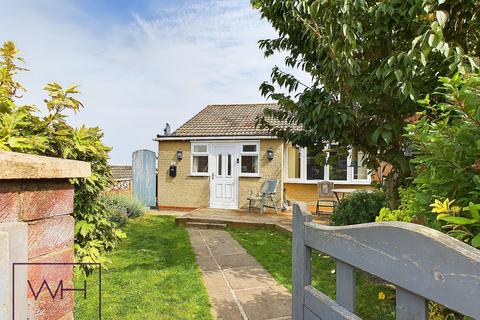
153 275
274 251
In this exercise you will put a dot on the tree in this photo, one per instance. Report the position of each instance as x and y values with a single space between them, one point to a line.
22 130
369 61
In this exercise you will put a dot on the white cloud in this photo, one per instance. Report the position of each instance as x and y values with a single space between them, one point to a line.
136 76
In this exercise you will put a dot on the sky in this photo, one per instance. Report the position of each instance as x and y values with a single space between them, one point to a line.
139 63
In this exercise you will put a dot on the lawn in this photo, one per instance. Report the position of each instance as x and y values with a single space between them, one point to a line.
153 275
273 250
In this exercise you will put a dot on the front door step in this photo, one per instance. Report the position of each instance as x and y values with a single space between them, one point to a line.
204 225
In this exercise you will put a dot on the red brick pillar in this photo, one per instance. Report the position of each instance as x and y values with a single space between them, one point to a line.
36 190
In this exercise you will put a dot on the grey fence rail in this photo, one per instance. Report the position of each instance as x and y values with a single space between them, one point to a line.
422 263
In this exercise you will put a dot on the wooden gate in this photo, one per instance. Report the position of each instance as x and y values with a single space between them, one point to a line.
422 263
144 177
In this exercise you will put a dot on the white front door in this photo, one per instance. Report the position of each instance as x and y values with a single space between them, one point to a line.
224 177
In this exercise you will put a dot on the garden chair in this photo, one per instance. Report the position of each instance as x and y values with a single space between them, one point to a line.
325 196
267 193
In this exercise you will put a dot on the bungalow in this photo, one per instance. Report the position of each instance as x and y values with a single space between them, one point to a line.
219 156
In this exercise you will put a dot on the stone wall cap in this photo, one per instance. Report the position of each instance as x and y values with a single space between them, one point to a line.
15 165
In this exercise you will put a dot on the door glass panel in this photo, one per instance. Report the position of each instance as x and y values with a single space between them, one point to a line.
219 164
229 165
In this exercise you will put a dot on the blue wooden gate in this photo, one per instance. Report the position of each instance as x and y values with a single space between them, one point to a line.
144 177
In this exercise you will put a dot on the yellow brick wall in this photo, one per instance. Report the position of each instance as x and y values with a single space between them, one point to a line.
269 169
308 192
189 191
183 190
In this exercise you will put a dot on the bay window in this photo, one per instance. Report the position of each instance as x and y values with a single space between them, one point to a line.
302 166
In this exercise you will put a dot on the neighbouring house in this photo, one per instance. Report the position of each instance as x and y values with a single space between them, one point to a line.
122 179
219 156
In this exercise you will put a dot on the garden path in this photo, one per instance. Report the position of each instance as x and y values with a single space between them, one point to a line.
238 286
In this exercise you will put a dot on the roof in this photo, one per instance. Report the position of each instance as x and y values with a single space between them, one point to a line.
227 120
121 172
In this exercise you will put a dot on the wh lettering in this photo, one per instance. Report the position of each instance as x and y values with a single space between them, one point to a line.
60 289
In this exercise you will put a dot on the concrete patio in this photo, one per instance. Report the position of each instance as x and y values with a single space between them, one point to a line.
281 221
238 286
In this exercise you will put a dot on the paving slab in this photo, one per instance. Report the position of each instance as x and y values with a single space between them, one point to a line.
206 263
250 277
238 286
237 261
215 282
266 303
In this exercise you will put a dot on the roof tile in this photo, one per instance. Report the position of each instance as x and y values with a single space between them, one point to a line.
227 120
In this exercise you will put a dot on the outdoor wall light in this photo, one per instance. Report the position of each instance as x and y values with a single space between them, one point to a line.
179 154
270 154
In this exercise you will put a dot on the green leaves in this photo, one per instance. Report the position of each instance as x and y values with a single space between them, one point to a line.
83 228
22 129
442 17
314 8
476 241
456 220
399 74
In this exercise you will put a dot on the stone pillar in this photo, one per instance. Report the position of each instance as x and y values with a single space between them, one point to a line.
36 195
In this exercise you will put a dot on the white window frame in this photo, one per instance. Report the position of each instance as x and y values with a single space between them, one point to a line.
250 153
193 153
326 174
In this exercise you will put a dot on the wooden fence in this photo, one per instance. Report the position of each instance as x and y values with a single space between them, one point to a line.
423 264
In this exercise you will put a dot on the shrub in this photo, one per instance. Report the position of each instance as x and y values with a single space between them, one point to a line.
23 129
119 218
406 211
460 223
358 207
387 214
119 202
446 146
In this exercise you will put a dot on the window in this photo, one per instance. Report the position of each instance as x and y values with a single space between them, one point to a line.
294 160
249 159
315 171
302 166
360 171
199 159
200 148
338 169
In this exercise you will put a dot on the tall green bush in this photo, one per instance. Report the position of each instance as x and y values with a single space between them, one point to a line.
446 143
23 130
358 207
